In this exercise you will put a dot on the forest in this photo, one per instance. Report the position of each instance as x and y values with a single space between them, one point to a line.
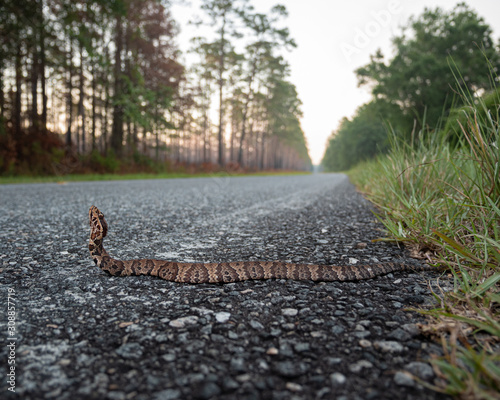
419 90
99 86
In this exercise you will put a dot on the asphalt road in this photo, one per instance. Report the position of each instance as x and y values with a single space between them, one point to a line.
74 332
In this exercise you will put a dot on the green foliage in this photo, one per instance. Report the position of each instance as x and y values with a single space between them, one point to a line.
418 78
358 139
107 163
282 108
143 162
441 62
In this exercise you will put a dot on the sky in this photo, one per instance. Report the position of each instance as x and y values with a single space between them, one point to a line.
334 38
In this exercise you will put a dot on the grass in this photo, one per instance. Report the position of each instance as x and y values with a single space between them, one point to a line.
444 202
114 177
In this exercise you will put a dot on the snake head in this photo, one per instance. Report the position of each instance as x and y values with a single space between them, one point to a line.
98 225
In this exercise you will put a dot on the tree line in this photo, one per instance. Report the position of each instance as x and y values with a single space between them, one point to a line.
106 76
437 58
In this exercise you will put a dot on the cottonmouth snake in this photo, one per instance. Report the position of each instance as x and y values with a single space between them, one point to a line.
227 271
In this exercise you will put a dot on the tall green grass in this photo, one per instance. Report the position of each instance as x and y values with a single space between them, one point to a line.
443 199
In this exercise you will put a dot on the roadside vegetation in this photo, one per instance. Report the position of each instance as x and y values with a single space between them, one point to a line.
443 201
434 174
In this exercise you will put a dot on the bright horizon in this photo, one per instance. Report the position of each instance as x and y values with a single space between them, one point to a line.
332 41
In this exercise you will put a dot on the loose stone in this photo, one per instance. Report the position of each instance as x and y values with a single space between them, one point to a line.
422 370
289 369
130 350
337 378
222 317
388 346
293 387
403 379
206 390
290 312
357 367
183 321
272 351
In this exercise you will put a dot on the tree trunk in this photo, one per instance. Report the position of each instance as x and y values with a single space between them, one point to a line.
144 144
262 148
219 134
105 105
43 118
2 100
117 129
256 158
93 129
34 85
105 135
17 100
245 110
157 139
221 87
81 109
69 138
135 138
234 128
206 138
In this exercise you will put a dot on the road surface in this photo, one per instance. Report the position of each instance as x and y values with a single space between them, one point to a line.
79 333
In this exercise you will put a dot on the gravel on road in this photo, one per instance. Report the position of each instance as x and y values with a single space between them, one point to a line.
81 334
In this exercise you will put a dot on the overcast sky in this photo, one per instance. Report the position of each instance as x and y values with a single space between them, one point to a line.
334 38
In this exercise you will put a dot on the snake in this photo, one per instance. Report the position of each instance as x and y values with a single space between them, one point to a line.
226 272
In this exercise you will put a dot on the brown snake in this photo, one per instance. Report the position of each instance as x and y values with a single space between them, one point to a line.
227 271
